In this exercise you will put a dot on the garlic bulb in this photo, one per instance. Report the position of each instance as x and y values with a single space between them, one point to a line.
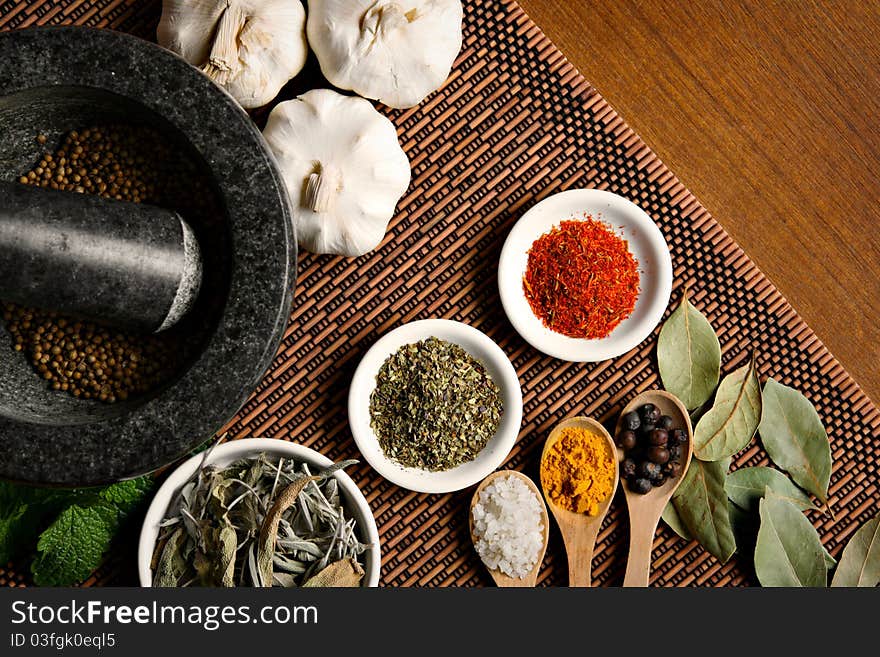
394 51
343 167
251 48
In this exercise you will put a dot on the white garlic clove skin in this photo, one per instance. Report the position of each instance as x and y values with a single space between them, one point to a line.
343 167
251 48
393 51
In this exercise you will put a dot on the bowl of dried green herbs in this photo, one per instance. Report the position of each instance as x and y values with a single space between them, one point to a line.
435 405
259 512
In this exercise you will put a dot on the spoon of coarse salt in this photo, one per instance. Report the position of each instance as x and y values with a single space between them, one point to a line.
645 510
503 579
580 530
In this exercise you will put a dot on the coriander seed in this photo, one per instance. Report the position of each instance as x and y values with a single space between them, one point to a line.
84 359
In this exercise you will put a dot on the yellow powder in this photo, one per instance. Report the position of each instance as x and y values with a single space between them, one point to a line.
578 470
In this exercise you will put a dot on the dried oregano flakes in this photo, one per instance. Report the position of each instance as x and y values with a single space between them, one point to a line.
434 406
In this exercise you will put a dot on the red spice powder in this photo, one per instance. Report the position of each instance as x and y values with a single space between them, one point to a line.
581 279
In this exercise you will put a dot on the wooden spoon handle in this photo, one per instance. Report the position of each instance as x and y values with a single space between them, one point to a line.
641 542
580 545
580 569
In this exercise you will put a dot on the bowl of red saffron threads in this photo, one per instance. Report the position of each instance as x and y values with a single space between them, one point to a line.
585 275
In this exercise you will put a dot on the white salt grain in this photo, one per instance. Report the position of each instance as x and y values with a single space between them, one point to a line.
508 526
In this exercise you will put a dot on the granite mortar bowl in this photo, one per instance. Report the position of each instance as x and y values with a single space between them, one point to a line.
54 80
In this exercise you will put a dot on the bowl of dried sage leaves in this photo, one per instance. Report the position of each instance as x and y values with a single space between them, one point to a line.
259 512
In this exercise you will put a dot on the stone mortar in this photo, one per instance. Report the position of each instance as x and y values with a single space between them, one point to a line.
54 80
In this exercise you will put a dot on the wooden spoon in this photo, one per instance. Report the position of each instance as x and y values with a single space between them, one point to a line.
500 578
645 510
579 530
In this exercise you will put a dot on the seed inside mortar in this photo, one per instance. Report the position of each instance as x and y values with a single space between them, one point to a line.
84 359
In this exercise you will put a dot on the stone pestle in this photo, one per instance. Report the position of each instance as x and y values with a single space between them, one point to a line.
124 264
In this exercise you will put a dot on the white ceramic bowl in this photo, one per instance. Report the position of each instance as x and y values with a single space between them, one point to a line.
478 345
646 243
227 453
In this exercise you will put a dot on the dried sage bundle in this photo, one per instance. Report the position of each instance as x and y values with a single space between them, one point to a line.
261 521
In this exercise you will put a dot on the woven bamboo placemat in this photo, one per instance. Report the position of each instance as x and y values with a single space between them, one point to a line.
515 123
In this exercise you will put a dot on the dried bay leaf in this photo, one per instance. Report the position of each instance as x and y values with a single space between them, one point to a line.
745 487
670 517
830 561
701 504
732 421
689 355
269 530
860 561
698 413
788 551
343 573
745 530
795 438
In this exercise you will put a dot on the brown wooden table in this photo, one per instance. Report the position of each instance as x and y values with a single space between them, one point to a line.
768 113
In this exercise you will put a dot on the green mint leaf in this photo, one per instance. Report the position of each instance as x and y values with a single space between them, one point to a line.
24 512
126 495
11 495
79 525
73 545
16 531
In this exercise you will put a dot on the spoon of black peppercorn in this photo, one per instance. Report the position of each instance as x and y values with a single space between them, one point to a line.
655 474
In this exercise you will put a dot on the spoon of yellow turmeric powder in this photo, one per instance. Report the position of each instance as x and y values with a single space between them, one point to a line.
645 509
579 474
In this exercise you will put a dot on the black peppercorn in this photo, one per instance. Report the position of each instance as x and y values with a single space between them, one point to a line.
649 414
658 455
637 454
641 486
648 470
652 448
659 437
626 440
631 421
